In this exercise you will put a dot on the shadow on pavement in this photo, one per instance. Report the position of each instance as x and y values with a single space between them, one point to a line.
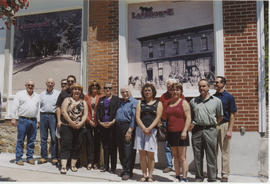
6 179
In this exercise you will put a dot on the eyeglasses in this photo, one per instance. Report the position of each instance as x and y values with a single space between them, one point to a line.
30 85
71 81
63 84
217 82
107 88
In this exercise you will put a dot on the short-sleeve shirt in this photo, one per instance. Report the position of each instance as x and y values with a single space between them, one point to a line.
228 104
205 112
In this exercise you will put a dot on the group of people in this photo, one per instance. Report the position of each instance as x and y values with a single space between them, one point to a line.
127 125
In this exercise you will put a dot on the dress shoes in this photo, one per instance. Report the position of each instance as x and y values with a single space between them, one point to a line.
31 161
20 162
42 161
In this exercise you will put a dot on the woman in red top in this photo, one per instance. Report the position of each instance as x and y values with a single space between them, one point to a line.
179 119
93 133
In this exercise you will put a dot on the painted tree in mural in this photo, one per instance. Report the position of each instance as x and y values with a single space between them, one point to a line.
8 9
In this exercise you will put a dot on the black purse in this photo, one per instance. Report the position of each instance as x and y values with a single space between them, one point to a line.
162 133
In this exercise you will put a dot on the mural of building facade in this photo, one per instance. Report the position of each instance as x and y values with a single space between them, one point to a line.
170 40
185 55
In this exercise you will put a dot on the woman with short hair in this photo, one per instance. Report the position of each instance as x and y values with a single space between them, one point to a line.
75 111
178 122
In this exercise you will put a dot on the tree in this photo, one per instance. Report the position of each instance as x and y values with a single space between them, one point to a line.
8 9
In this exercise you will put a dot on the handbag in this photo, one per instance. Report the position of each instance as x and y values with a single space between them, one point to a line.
161 133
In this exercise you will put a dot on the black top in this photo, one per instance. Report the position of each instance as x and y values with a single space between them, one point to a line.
114 103
148 113
62 96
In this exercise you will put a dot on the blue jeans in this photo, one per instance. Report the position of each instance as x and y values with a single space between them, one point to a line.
47 121
26 127
168 152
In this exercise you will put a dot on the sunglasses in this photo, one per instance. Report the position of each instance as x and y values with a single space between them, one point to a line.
107 88
30 85
71 81
217 82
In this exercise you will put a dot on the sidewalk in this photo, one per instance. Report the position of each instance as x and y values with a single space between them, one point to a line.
9 171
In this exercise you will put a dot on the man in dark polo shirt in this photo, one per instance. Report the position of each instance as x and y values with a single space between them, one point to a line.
225 127
206 114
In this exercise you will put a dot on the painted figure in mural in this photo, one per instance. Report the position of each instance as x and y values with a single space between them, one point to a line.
93 135
148 114
48 100
75 111
179 120
206 114
0 106
165 99
106 112
225 127
26 108
125 123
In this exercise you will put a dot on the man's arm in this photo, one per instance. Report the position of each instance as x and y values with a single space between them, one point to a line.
231 123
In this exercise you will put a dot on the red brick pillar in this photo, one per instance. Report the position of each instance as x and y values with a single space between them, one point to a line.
241 60
103 42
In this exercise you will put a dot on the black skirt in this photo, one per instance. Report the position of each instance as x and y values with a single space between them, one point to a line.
174 139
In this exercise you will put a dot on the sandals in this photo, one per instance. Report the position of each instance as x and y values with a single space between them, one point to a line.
89 166
143 179
95 167
63 170
73 168
150 180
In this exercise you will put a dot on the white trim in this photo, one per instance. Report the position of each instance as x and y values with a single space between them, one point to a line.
261 66
123 42
218 31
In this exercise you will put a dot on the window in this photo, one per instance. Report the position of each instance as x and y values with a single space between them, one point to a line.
175 47
162 49
204 43
150 51
190 44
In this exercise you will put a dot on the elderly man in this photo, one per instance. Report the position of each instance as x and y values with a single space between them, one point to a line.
165 100
26 107
225 127
48 121
206 114
125 122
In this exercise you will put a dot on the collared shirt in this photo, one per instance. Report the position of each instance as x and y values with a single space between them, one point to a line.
228 104
25 105
48 100
126 112
205 112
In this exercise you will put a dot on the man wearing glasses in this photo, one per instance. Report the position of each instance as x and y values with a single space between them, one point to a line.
225 127
63 84
26 109
71 79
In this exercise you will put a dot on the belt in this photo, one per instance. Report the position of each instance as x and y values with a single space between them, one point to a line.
52 113
23 117
202 127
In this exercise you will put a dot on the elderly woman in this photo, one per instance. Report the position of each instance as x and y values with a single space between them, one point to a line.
106 112
75 111
148 114
93 131
178 122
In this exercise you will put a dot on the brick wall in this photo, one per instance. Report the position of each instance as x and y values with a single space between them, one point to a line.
241 60
103 42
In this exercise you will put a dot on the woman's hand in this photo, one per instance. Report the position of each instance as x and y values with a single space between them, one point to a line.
183 135
92 123
146 131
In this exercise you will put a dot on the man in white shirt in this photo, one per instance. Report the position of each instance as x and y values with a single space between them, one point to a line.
48 100
26 109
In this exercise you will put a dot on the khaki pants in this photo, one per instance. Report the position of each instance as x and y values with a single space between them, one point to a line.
224 144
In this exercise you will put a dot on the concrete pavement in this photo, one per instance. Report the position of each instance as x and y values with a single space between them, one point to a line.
9 171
